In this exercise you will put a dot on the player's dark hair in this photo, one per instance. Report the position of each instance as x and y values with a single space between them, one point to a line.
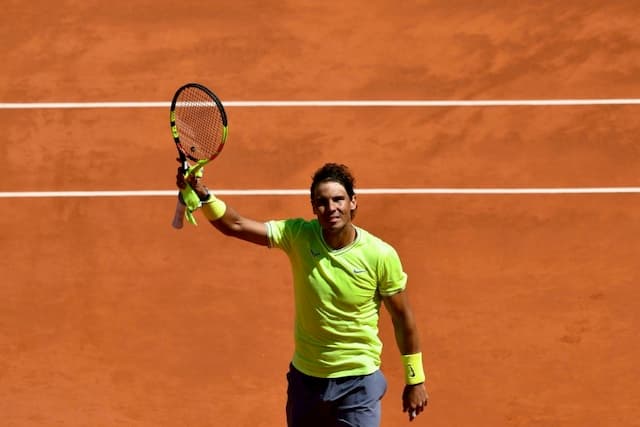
334 172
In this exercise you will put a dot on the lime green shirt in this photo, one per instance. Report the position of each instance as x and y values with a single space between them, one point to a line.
337 297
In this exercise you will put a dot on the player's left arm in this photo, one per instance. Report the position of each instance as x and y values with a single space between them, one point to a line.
414 396
404 323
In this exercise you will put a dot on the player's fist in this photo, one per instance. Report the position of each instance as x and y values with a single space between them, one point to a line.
181 182
195 181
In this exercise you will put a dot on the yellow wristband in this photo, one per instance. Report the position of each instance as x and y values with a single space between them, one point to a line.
213 209
413 370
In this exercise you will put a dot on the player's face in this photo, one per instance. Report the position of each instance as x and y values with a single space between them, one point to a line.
332 205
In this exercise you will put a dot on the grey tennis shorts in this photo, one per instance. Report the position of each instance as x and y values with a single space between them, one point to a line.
334 402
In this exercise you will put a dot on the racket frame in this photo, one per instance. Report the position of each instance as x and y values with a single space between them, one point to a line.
183 156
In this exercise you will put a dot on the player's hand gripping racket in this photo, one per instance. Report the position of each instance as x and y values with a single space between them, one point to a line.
199 129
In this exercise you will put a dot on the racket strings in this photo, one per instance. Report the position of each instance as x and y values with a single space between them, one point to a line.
200 124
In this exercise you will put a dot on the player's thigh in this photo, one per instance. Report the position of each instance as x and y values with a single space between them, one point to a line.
305 405
362 406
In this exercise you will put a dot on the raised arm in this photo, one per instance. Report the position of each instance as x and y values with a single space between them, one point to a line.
235 225
224 217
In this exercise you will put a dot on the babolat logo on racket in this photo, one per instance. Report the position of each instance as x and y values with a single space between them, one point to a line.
174 128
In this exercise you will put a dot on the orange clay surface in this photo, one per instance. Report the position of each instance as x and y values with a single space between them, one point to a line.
527 304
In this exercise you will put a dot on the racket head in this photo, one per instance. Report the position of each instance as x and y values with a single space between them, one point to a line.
198 123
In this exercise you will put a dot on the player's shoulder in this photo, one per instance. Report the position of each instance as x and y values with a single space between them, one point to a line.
374 243
284 232
293 226
290 222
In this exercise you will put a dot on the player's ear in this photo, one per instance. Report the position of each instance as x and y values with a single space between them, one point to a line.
353 205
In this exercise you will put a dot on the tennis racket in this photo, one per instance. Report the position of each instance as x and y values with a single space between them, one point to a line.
199 128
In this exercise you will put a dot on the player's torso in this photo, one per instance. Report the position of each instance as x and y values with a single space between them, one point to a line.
345 279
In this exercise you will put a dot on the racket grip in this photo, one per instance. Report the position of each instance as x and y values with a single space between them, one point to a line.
178 217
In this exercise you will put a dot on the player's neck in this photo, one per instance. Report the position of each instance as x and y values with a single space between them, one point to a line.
340 239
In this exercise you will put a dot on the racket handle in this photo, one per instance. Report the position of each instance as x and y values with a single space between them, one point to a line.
178 217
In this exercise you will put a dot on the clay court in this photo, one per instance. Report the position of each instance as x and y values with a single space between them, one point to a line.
527 301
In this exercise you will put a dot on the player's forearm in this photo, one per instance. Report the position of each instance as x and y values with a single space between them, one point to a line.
406 334
226 219
234 225
404 324
409 345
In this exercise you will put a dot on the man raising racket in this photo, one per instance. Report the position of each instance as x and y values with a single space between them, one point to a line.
341 275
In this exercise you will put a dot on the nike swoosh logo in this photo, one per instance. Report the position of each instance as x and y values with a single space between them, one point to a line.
359 270
314 253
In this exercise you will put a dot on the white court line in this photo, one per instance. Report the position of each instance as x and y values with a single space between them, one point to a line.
305 192
371 103
275 192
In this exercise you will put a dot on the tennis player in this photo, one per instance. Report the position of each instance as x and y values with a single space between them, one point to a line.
341 276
